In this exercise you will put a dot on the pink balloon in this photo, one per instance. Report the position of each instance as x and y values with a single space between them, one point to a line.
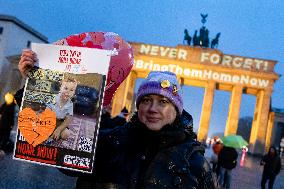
120 64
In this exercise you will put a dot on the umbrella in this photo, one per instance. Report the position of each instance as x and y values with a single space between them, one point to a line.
235 141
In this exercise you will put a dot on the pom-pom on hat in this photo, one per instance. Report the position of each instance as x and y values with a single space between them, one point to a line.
162 83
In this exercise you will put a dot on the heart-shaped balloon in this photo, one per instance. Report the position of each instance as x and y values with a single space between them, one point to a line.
36 128
120 64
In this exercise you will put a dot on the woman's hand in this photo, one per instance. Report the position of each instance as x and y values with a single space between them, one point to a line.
27 61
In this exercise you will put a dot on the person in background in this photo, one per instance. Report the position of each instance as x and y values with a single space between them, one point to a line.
7 113
272 167
216 148
227 160
106 121
122 118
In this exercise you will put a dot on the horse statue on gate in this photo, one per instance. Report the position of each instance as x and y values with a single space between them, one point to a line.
215 41
187 37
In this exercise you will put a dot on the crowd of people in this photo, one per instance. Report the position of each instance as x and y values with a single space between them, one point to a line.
224 160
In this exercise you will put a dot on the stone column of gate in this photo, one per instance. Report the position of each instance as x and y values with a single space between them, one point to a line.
124 94
206 111
260 119
234 110
270 128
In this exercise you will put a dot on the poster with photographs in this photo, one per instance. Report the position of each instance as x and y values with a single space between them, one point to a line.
59 115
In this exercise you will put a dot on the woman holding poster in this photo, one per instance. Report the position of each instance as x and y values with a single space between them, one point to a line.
154 149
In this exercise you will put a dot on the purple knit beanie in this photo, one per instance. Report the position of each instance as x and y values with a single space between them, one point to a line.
164 84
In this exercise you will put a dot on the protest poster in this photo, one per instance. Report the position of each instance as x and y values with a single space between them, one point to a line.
60 112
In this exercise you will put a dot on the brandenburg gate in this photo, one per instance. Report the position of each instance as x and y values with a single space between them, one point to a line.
212 70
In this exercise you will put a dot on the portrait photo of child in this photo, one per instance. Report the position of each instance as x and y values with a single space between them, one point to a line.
63 108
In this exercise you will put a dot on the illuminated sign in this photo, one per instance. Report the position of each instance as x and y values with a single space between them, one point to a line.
202 74
235 62
167 52
206 56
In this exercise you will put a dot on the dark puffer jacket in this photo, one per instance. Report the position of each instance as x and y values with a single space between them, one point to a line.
272 164
134 157
227 158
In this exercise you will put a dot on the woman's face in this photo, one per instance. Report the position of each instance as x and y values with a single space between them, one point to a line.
156 111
